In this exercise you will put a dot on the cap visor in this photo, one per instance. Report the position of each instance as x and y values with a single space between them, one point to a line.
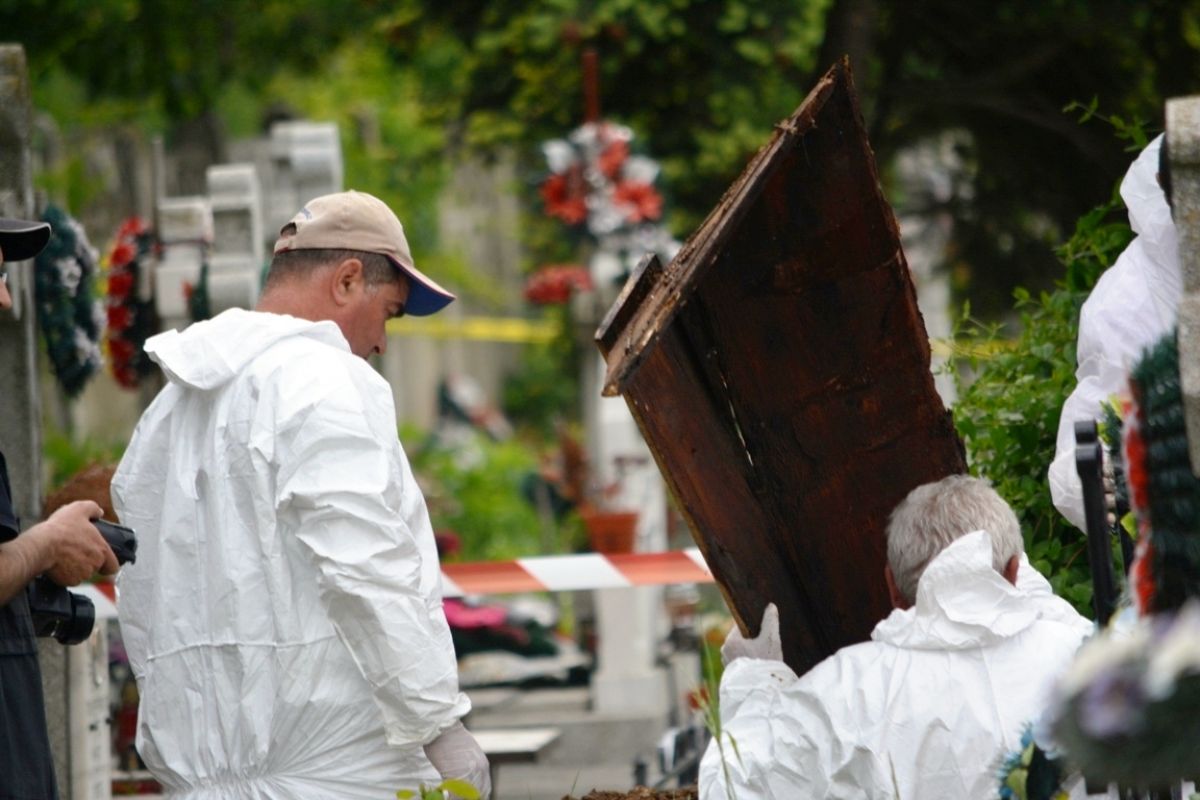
21 239
425 297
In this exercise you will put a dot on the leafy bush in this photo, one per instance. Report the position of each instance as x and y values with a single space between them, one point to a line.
63 457
1011 394
478 489
544 389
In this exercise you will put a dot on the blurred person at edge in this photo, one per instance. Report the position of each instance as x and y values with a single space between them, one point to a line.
68 549
1134 303
931 705
284 619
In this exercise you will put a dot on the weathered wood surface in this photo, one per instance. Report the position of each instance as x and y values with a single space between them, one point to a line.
779 370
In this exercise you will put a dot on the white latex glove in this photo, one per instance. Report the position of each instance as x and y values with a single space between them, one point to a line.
456 754
766 645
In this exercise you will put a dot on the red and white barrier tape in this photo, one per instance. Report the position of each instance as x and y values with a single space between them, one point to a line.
564 573
572 573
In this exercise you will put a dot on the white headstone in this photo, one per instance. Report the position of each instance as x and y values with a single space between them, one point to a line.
185 228
308 163
236 200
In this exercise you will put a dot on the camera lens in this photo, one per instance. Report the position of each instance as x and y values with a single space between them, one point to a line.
79 627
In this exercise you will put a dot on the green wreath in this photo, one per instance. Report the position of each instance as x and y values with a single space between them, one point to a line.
70 317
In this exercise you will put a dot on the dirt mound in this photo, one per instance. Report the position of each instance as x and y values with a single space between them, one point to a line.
642 793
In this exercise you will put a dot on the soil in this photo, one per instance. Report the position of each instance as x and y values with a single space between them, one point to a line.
642 793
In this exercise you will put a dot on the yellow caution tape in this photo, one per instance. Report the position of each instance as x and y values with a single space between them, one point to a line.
486 329
519 330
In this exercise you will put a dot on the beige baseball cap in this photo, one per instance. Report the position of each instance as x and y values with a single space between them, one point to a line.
359 221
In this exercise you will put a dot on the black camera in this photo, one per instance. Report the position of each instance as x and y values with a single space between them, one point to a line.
65 615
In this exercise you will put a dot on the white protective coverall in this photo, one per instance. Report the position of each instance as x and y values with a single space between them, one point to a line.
1132 305
284 618
926 709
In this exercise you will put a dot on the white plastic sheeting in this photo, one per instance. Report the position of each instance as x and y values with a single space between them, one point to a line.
284 615
927 709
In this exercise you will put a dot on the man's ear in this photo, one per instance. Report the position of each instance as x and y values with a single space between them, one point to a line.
1010 570
897 598
346 278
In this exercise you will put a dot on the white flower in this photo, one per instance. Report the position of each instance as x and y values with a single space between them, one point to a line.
640 169
69 273
560 155
1178 652
1102 653
603 216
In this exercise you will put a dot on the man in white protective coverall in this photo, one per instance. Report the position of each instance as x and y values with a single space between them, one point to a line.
926 709
284 618
1132 305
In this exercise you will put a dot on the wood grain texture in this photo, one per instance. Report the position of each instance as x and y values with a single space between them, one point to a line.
778 368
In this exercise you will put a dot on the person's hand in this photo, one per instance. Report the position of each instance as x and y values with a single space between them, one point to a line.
77 550
455 754
766 645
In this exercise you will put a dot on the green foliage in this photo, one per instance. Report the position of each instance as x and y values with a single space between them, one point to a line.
460 788
177 56
708 703
69 181
1010 398
702 82
544 389
476 488
63 457
389 149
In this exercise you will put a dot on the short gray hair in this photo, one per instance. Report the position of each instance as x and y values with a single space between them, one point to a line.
377 269
934 515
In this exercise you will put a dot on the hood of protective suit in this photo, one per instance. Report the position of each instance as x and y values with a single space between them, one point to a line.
923 712
1150 218
961 602
209 354
1132 305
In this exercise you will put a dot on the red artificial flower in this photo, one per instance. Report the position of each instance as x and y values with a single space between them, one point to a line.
640 201
126 376
564 197
134 226
120 350
120 282
555 283
1135 467
122 254
612 159
1141 574
119 317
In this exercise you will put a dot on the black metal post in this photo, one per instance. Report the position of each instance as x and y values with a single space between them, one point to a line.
1089 462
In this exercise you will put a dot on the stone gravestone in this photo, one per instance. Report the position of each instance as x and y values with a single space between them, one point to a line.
185 230
236 260
307 161
1183 145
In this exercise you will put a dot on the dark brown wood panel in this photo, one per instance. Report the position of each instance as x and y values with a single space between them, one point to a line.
779 369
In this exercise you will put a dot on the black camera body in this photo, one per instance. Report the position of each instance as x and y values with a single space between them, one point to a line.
67 616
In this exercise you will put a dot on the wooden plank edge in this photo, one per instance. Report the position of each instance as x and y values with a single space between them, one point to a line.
629 344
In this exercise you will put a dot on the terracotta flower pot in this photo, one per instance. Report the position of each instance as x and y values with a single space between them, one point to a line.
610 531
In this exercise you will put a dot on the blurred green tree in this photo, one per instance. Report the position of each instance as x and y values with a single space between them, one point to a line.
701 82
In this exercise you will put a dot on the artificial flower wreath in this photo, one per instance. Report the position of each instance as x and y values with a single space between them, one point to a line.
69 315
131 320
